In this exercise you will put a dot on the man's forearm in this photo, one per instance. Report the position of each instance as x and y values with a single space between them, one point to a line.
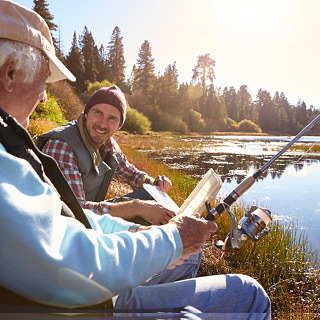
127 209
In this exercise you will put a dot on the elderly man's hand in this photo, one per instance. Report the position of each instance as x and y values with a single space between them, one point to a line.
193 232
163 183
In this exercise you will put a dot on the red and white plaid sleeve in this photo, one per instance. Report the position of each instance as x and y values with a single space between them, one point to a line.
126 171
68 163
129 173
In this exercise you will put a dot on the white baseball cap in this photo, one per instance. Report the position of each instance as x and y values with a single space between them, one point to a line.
21 24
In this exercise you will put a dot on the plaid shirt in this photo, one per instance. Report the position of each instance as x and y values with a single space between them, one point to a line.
68 163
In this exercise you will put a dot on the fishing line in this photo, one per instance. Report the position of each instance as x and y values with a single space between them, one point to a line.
303 155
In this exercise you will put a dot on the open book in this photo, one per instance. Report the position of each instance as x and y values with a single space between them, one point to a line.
206 190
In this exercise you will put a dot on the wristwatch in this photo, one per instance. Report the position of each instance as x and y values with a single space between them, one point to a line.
134 227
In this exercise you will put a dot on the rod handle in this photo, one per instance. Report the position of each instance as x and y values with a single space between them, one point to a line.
244 186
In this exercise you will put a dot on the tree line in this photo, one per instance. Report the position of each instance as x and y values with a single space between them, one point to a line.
197 106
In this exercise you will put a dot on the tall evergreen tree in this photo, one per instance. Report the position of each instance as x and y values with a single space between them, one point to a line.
215 111
89 52
301 114
231 102
168 89
41 7
101 64
144 76
75 64
59 51
244 103
203 72
115 58
267 112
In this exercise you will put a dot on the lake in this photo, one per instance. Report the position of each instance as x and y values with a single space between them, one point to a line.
289 188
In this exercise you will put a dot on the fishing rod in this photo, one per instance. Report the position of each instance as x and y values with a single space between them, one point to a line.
254 224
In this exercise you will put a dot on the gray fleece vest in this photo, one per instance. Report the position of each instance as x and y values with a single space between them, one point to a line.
96 179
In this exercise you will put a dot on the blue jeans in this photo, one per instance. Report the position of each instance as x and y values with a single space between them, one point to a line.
212 297
187 270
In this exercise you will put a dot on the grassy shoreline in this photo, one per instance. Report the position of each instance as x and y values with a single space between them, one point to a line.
283 261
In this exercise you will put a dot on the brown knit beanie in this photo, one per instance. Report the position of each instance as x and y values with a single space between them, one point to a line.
109 95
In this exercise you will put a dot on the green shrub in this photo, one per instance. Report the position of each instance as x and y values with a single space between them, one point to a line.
50 110
168 122
232 125
249 126
68 100
39 126
136 122
94 86
196 123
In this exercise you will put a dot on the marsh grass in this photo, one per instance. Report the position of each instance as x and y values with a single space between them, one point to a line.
283 261
306 148
160 141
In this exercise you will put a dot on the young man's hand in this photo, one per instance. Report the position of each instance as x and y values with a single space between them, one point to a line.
163 183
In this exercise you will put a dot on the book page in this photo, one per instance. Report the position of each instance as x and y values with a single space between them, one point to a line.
161 197
206 190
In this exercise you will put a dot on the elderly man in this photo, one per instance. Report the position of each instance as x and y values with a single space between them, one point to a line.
55 254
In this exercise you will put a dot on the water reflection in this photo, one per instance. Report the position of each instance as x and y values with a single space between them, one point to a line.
229 165
289 187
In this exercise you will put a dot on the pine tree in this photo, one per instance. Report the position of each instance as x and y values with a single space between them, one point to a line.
244 103
203 72
59 51
75 64
168 89
144 76
41 7
266 111
101 64
231 102
115 58
88 50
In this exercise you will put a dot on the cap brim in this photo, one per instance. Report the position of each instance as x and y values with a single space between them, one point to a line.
57 69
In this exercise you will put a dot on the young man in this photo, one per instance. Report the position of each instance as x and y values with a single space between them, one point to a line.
89 157
53 253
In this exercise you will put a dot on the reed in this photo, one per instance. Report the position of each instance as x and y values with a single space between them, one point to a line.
283 261
306 148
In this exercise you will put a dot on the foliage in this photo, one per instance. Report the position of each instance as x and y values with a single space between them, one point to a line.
136 122
115 58
144 70
203 72
196 123
50 110
90 53
248 126
94 86
39 126
70 103
75 64
232 125
41 7
162 95
173 124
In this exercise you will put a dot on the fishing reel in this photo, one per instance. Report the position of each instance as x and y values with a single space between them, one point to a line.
254 225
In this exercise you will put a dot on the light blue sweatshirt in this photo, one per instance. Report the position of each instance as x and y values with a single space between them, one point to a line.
55 260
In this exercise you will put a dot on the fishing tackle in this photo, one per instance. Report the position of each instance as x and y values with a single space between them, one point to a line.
254 225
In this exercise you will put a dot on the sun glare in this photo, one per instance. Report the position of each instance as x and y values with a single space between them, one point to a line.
248 20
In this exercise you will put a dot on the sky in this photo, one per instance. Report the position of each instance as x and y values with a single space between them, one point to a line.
269 44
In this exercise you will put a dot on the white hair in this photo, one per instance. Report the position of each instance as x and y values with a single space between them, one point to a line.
29 59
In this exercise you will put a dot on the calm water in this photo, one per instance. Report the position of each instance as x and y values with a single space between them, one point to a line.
289 188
